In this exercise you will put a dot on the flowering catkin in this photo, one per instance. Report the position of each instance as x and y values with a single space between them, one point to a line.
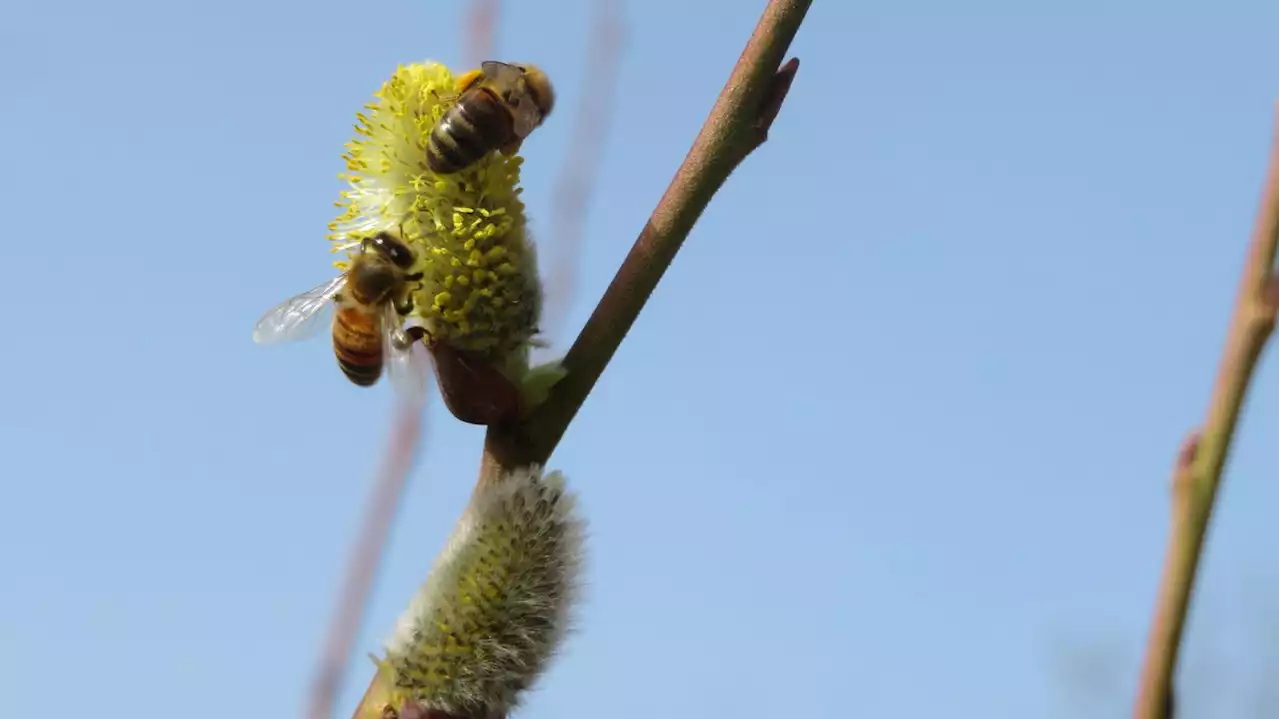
493 611
480 290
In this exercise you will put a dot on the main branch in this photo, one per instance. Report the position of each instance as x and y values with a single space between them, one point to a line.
738 124
1198 469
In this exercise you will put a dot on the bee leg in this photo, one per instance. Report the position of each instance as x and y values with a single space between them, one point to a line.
405 307
401 338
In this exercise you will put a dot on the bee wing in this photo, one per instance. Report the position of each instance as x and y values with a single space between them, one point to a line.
524 113
526 119
298 317
501 72
406 361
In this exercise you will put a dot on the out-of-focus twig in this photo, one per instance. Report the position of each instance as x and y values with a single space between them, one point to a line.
572 193
1198 469
738 124
482 28
406 433
389 484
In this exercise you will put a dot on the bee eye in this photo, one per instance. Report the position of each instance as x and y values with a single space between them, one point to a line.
399 255
394 250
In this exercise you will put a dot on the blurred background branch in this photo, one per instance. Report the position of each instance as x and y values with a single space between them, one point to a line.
357 585
572 194
1198 468
482 31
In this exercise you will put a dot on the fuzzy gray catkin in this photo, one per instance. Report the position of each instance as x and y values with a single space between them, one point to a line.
495 607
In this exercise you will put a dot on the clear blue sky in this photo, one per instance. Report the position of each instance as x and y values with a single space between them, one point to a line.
891 440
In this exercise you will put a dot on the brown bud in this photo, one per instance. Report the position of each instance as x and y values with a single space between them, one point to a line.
474 390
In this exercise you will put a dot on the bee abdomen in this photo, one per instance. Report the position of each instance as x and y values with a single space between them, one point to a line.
357 345
363 375
472 128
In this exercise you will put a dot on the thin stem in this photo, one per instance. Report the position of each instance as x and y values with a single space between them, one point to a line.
389 484
738 124
482 22
482 30
1198 471
573 189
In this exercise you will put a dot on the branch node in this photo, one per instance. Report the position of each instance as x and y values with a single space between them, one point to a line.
1268 303
1185 460
774 95
1187 452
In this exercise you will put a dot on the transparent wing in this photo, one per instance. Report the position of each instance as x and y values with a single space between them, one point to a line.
508 76
509 79
407 361
300 316
526 119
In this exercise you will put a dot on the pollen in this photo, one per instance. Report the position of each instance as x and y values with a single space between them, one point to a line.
479 289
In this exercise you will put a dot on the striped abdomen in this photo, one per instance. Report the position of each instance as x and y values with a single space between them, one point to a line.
357 343
476 125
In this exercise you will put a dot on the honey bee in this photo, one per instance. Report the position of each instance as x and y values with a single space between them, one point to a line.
367 330
499 105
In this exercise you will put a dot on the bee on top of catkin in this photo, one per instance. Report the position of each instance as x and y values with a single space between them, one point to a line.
499 105
473 296
480 298
480 290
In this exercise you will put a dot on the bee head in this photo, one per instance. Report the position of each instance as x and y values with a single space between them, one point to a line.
539 87
391 248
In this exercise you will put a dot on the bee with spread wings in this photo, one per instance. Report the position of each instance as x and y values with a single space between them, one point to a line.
367 330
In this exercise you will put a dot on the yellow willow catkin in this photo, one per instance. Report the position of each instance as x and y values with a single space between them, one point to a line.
495 607
480 290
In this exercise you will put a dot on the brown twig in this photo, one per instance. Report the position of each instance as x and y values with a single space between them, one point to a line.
577 176
738 124
482 27
358 583
1198 471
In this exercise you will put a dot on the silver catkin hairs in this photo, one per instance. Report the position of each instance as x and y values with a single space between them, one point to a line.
497 604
